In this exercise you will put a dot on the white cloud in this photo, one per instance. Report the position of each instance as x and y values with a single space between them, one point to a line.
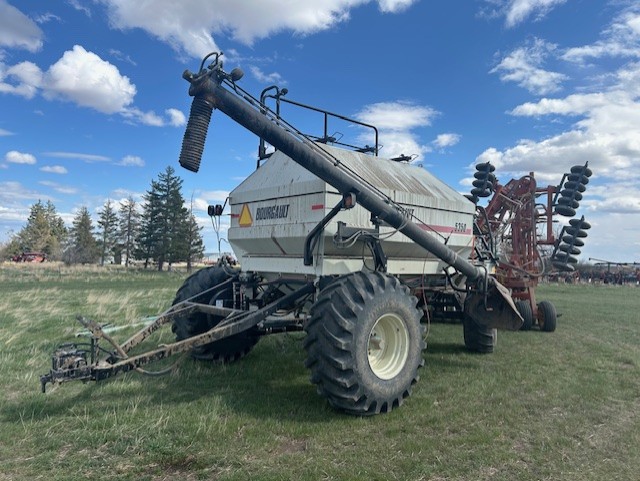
5 133
12 191
622 197
16 157
620 39
13 214
62 189
394 6
214 196
80 7
88 158
85 79
522 66
446 140
189 26
606 115
517 11
146 118
176 117
605 133
399 116
54 169
203 200
122 195
396 121
17 30
47 17
613 236
575 104
271 78
119 55
605 111
26 77
131 161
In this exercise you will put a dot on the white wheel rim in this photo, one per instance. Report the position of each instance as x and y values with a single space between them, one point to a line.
388 346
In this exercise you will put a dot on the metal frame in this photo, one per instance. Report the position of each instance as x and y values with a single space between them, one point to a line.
70 363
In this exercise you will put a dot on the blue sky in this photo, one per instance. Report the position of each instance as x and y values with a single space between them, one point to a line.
93 106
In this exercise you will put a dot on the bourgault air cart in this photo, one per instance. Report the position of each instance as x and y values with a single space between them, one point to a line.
341 244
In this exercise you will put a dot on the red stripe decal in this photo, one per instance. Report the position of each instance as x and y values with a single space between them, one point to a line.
443 229
317 207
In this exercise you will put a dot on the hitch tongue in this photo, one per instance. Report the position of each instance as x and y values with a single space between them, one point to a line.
69 363
493 308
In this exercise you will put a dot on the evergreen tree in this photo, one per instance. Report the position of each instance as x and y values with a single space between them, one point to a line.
163 216
10 248
107 229
58 230
168 231
82 247
193 242
44 232
128 228
149 231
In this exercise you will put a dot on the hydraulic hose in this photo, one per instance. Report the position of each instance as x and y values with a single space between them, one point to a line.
195 134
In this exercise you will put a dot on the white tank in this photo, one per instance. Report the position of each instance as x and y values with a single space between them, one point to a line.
275 208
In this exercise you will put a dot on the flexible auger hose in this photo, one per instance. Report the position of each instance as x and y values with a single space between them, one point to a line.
196 134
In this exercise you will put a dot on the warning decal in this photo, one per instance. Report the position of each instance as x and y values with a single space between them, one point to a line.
245 219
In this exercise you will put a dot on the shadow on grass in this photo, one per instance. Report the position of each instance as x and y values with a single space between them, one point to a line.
271 382
444 357
265 384
445 348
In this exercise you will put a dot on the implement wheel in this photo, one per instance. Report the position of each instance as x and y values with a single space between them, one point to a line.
364 343
477 338
524 308
547 316
224 350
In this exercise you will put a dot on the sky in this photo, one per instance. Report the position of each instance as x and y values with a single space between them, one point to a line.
93 105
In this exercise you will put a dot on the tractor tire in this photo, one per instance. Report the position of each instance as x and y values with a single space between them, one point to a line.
225 350
547 316
524 308
364 343
477 338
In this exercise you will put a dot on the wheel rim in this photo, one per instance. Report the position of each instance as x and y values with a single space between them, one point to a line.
388 346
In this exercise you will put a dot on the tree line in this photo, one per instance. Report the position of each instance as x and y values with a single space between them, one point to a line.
160 231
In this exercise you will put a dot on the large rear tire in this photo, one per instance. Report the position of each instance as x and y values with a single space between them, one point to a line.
364 343
225 350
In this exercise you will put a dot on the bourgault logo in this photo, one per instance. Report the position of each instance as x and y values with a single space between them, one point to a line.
273 212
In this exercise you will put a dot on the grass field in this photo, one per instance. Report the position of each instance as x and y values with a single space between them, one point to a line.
544 406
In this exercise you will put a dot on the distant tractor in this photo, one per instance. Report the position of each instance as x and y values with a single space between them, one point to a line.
332 240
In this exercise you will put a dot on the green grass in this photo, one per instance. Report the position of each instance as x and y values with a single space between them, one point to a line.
560 406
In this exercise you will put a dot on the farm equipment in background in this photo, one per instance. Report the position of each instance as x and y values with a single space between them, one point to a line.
515 230
624 272
353 249
30 257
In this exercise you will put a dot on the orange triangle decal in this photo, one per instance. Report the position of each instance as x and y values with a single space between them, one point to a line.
245 219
